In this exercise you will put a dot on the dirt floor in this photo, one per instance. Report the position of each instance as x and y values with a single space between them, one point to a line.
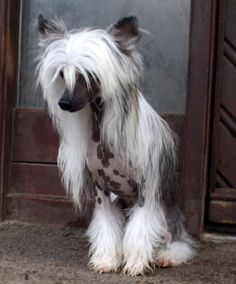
56 254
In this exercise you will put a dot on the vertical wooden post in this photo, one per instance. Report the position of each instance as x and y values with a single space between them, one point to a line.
198 113
9 32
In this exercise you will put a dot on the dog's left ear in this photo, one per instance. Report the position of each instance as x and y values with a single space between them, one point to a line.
50 30
126 29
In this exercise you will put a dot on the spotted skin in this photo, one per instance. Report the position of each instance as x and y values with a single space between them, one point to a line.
108 171
107 192
116 172
104 155
112 178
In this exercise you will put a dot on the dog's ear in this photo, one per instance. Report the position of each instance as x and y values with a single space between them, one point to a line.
126 29
50 30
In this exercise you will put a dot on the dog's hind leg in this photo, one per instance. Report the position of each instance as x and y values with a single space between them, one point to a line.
181 248
105 234
145 232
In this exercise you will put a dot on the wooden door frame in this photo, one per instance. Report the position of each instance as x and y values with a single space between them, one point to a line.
199 112
9 35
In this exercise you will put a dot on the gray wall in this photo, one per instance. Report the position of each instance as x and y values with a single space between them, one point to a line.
165 50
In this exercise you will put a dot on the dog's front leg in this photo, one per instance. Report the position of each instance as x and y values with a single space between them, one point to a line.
145 233
105 234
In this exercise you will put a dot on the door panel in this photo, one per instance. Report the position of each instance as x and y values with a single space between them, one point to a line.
222 204
34 139
34 192
226 156
222 212
228 100
35 179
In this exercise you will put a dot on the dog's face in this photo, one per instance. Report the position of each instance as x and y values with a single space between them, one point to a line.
80 96
87 63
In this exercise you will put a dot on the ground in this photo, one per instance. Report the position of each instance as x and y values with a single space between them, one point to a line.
58 255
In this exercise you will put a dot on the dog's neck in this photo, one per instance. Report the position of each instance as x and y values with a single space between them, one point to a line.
97 112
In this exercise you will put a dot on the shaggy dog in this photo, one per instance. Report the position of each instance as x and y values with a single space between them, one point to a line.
112 143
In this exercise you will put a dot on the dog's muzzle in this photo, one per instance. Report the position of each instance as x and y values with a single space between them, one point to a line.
65 101
72 103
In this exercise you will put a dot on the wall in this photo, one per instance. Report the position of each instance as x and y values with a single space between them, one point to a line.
164 50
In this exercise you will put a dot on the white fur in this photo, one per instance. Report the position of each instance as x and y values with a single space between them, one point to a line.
175 254
146 231
105 234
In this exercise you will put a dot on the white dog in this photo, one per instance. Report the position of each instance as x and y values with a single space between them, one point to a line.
112 141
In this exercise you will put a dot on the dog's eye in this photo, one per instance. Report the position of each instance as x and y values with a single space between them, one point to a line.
92 78
89 76
61 74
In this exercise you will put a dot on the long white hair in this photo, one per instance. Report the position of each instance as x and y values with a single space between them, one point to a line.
129 125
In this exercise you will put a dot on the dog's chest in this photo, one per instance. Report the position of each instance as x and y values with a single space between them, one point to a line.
108 172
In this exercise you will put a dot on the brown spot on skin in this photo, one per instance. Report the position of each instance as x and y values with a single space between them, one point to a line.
115 185
116 173
107 192
96 136
101 173
99 200
108 184
104 155
97 185
99 152
105 163
111 155
97 111
96 129
110 188
106 178
135 189
132 183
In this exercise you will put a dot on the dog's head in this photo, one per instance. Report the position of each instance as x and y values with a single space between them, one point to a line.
78 66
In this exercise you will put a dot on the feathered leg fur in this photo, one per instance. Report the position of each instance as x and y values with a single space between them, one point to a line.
144 234
177 252
105 234
148 241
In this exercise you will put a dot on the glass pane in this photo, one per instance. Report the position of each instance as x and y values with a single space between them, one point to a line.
165 50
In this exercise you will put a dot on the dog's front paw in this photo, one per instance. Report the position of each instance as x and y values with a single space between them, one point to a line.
104 266
137 266
106 269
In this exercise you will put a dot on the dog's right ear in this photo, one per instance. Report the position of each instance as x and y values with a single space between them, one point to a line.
50 30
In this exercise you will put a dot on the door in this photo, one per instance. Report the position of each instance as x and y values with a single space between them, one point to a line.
31 188
208 173
222 188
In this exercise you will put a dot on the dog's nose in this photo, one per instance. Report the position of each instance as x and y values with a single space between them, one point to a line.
65 101
64 105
